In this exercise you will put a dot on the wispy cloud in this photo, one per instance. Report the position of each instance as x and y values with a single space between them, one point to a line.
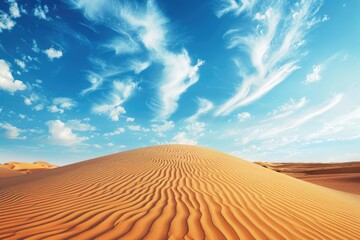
271 50
112 106
96 82
204 107
283 122
345 127
144 28
287 108
7 81
12 132
233 6
178 76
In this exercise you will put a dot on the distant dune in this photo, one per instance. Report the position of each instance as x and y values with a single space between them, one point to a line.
340 176
172 192
24 167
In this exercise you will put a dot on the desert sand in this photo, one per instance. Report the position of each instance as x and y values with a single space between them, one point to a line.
5 173
343 176
24 167
172 192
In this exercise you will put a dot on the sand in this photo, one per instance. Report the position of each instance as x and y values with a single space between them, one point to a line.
172 192
5 173
340 176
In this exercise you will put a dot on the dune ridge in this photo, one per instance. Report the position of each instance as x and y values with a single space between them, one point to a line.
172 192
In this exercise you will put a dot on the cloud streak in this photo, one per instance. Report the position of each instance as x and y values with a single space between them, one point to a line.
271 49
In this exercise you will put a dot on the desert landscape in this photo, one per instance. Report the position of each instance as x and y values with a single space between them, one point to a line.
342 176
172 192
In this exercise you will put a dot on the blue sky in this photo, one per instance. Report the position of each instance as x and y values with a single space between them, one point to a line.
262 80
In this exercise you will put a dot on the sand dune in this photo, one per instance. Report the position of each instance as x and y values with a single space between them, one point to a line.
340 176
24 167
172 192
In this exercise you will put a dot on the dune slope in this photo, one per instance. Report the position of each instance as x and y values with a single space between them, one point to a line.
172 192
342 176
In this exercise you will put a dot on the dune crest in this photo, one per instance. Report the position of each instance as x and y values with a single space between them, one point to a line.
172 192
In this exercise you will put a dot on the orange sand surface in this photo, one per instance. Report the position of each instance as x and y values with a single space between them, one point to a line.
172 192
340 176
5 173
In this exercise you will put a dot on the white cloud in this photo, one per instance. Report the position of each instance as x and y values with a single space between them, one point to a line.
111 144
178 76
182 138
53 53
159 129
61 104
287 108
204 107
20 63
60 134
39 107
243 116
97 146
272 50
234 6
7 81
14 9
5 21
116 132
11 132
121 92
41 11
95 80
22 116
315 75
130 119
35 47
78 125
